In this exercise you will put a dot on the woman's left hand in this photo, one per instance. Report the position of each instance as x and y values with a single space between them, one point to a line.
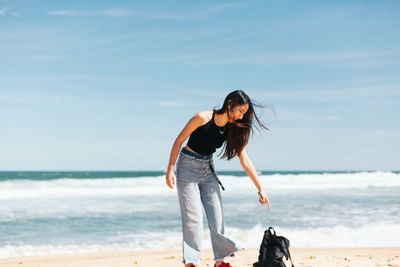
263 199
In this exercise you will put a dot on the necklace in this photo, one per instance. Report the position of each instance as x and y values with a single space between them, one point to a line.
223 129
220 129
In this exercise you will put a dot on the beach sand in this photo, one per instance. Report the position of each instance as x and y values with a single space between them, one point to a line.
312 257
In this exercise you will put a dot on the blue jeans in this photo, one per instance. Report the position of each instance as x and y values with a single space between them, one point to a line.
196 185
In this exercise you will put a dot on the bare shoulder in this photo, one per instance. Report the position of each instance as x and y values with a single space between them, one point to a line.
196 121
203 116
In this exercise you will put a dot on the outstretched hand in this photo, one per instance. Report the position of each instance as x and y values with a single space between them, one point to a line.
263 199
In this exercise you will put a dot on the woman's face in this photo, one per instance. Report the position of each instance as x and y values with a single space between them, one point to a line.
237 112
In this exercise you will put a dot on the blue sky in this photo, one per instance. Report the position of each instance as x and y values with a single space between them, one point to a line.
108 85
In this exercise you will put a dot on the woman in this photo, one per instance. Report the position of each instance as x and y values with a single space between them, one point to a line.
196 181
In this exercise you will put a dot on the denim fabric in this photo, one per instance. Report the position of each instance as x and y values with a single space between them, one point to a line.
197 186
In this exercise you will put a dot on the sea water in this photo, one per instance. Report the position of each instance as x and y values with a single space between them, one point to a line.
69 212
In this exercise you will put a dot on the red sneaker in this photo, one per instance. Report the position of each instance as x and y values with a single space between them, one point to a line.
223 264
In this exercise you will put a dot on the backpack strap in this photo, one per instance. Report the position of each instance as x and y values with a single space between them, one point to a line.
269 230
290 258
285 250
288 252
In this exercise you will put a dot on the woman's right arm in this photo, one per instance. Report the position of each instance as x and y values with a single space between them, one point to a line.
192 125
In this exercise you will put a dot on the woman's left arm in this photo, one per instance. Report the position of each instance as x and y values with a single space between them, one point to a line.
251 172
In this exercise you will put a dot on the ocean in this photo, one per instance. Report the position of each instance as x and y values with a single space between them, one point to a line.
69 212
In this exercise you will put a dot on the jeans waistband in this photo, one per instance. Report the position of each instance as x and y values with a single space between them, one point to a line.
195 155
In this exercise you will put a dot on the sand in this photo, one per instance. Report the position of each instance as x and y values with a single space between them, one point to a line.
312 257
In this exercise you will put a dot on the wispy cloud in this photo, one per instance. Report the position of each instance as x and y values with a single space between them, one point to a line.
68 13
3 11
33 99
217 94
295 115
47 77
169 103
333 93
201 14
111 12
217 56
219 8
329 131
57 99
375 80
121 12
288 58
385 90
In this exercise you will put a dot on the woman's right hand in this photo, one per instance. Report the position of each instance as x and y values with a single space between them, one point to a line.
170 179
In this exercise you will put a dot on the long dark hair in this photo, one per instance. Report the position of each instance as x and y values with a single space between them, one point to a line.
240 130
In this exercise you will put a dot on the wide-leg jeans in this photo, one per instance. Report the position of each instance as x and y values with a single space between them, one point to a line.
197 187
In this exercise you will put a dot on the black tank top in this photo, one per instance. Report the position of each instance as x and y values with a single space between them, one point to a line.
208 137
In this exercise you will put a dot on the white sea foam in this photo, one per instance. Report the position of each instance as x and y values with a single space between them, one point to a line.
341 216
151 186
66 188
338 236
143 241
383 235
323 181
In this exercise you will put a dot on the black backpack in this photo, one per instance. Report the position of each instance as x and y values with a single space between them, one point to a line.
272 250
